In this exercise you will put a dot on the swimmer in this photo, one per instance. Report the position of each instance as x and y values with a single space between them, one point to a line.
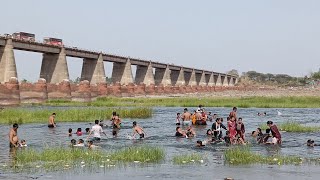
186 117
190 132
96 130
180 133
79 132
87 130
91 145
137 130
73 142
210 117
80 143
200 143
70 132
209 132
23 143
217 127
13 136
310 143
52 123
117 122
227 138
178 119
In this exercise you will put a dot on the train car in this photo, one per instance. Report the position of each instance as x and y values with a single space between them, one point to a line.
53 41
24 36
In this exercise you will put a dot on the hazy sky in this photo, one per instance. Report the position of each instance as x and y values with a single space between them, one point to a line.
277 36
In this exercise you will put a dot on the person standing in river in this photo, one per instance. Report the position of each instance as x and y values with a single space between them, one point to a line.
233 113
186 117
13 136
275 133
52 123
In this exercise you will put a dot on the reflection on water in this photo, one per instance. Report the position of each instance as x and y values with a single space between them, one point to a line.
160 131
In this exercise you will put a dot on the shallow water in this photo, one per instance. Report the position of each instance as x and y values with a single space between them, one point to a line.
160 131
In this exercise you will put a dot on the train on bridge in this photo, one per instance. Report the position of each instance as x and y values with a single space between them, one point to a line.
24 36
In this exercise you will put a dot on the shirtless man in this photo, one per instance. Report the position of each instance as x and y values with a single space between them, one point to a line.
52 123
233 113
186 117
13 136
137 130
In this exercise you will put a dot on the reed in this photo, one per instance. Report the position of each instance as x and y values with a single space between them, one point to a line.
291 126
243 102
12 115
187 159
243 156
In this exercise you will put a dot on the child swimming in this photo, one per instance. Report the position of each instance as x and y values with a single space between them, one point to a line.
23 143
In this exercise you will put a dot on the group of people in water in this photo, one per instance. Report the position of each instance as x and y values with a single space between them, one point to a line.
235 128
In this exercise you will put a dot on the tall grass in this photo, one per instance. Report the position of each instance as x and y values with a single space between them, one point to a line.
244 102
50 158
187 158
291 126
10 115
243 155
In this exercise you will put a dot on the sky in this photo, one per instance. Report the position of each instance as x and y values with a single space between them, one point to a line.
269 36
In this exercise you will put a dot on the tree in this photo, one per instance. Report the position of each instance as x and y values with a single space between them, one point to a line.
233 72
315 75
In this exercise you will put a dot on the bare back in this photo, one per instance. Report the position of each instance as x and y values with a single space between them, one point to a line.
186 116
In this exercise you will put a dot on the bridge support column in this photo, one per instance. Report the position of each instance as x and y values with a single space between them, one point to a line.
144 74
7 62
192 80
202 81
231 82
54 67
177 78
225 81
162 76
122 73
211 80
219 81
93 70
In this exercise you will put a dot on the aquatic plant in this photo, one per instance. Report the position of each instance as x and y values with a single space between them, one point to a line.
188 158
291 126
243 102
11 115
60 157
139 154
243 155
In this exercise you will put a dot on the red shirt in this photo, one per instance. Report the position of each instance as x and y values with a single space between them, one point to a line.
275 132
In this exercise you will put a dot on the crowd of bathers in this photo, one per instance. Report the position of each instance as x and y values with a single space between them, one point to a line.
234 129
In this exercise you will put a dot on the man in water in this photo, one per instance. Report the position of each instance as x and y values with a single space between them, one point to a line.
186 117
13 136
137 130
233 113
96 130
275 133
217 129
52 123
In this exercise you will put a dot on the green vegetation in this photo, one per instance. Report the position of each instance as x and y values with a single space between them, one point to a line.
141 154
187 158
10 115
291 126
57 158
243 102
243 155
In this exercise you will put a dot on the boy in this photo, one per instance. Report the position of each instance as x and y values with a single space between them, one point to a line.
178 119
137 129
96 130
80 143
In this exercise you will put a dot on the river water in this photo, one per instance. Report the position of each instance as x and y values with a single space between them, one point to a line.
160 131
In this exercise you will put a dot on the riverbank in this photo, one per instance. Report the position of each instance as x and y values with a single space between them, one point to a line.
193 101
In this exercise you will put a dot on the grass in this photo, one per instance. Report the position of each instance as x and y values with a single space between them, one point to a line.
187 158
141 154
291 126
62 158
11 115
243 102
243 156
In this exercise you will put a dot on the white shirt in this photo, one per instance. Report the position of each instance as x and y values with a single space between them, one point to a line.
96 130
